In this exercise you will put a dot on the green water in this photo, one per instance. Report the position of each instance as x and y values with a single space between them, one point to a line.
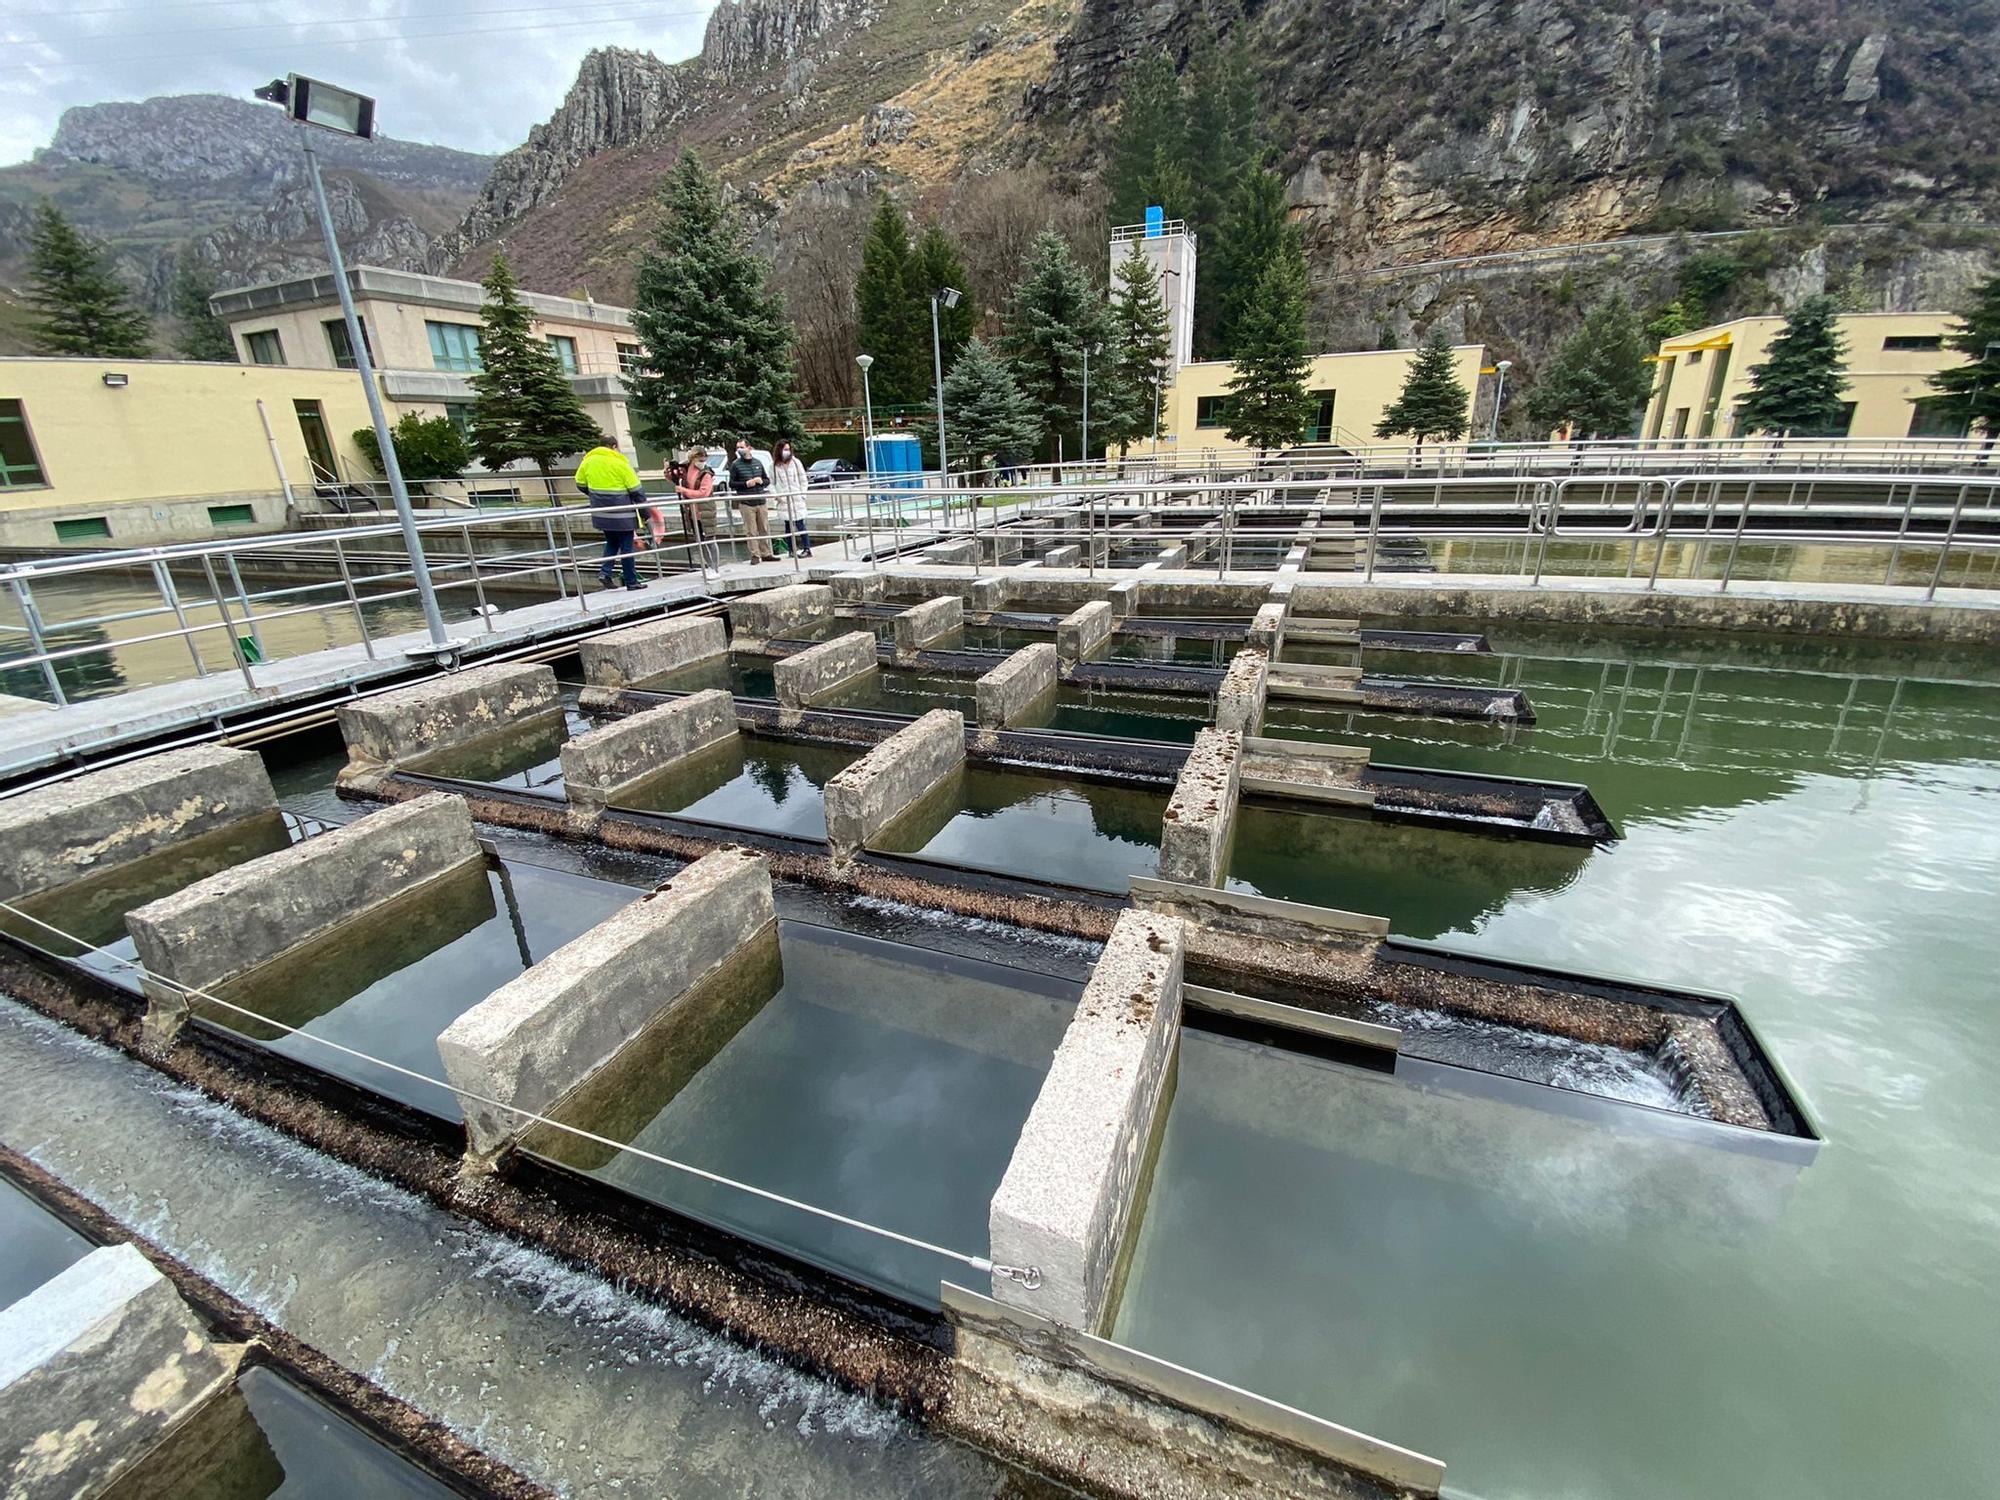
1175 718
880 1081
526 756
1568 1319
767 785
418 965
892 690
34 1244
1050 828
742 676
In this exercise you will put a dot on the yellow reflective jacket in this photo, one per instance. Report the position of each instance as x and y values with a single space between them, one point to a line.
605 471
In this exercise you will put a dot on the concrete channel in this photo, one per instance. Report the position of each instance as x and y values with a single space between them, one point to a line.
678 931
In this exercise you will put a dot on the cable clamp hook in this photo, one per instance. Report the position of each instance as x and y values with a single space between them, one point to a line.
1030 1277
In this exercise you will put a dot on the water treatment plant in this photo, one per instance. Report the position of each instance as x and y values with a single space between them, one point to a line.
1279 982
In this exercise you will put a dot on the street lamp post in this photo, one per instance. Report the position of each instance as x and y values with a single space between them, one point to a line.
1088 349
1499 390
949 297
313 103
868 449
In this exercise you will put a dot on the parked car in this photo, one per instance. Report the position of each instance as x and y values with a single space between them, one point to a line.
829 471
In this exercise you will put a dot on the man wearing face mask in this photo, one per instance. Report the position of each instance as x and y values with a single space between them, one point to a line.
750 489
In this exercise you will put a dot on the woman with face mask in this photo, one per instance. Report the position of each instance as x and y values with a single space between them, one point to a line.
788 491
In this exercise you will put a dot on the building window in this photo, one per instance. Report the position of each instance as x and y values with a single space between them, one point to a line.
265 347
1694 356
1681 415
20 469
1931 417
565 348
1914 343
459 414
343 351
1211 411
455 346
232 515
83 529
628 359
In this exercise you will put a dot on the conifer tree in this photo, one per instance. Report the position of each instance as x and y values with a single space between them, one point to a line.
1257 232
715 347
1798 386
81 307
1223 149
525 407
1149 143
1970 393
1433 403
1054 315
202 335
939 265
985 413
1268 405
1598 378
1139 347
893 310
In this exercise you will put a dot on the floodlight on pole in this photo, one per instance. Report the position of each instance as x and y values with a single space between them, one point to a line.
948 296
1088 350
326 107
868 447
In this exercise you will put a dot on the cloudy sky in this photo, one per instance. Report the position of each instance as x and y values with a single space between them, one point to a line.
469 73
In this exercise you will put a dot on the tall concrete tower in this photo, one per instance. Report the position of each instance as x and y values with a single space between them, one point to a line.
1168 246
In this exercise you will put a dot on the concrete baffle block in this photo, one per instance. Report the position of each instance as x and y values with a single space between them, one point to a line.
1021 683
1171 557
1267 629
1067 556
867 796
1201 814
963 553
231 922
536 1039
855 588
779 612
599 766
1082 634
923 623
809 675
986 594
441 713
76 828
1124 597
1239 702
637 656
97 1366
1002 547
1066 1201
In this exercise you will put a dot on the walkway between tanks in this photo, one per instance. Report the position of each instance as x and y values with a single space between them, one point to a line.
555 1373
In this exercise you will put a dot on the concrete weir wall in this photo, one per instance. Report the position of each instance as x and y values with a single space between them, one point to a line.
811 674
536 1039
923 623
1067 1198
1069 555
97 1366
977 593
77 828
1267 628
1239 702
231 922
440 713
634 657
597 767
1083 634
779 612
867 796
1201 814
1020 683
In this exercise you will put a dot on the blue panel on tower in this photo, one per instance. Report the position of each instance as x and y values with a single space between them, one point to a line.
1156 221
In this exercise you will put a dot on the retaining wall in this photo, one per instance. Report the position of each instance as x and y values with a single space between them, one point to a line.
1239 702
777 612
809 675
868 795
1019 684
231 922
1083 634
1066 1200
599 766
442 713
536 1039
923 623
97 1366
1201 814
77 828
635 657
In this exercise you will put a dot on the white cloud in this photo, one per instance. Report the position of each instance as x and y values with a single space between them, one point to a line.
475 74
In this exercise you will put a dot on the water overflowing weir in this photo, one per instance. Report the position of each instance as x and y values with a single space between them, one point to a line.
732 1057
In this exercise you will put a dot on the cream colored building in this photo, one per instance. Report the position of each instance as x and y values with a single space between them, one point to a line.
423 338
1349 393
123 453
1701 376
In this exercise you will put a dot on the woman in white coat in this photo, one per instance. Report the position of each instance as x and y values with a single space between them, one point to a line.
788 498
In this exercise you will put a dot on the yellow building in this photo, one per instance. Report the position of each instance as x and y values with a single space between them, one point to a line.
126 453
423 338
1701 376
1349 394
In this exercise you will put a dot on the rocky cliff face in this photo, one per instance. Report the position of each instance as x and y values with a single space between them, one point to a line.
746 37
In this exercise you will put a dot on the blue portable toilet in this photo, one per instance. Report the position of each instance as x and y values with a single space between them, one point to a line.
895 461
